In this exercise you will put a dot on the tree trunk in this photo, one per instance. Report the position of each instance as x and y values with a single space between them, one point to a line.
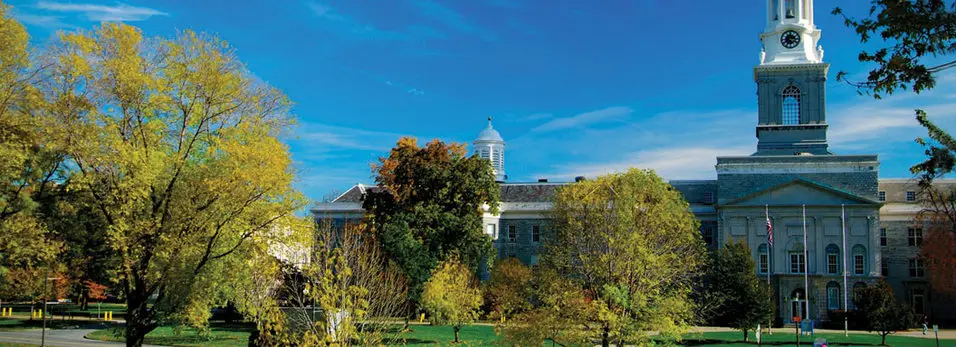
457 328
746 337
883 341
605 337
139 320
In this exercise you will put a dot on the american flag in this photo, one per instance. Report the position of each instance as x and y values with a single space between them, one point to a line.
769 232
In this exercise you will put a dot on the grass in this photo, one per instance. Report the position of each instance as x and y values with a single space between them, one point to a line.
783 338
428 335
13 324
10 344
219 335
484 335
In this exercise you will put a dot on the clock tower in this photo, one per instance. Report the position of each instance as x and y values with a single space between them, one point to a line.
791 82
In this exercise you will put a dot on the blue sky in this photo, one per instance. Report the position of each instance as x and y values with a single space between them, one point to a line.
575 87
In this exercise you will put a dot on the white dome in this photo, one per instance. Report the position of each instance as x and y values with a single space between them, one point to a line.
489 134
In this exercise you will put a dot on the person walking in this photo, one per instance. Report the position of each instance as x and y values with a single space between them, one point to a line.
925 323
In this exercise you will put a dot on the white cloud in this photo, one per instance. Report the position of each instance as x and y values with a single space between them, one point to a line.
51 22
670 163
103 13
584 119
317 137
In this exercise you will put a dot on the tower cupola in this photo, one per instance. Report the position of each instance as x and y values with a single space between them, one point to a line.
491 146
790 36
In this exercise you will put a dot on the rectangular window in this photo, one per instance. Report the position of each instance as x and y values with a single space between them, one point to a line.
512 234
796 263
708 233
764 263
916 267
882 236
833 298
915 236
535 233
881 195
884 268
708 198
858 267
910 196
491 230
832 266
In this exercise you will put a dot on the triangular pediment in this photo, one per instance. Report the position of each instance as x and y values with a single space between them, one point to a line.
800 192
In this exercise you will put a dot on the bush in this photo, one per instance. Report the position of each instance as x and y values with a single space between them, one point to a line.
855 320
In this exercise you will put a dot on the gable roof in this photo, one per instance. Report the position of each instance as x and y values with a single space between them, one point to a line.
806 183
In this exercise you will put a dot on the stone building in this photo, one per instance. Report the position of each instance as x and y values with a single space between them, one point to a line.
853 221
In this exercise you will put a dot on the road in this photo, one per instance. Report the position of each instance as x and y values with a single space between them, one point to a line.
57 338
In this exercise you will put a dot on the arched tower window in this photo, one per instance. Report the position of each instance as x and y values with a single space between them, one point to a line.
791 105
790 8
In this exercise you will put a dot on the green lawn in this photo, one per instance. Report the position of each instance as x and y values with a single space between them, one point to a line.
220 335
483 335
783 337
427 335
9 324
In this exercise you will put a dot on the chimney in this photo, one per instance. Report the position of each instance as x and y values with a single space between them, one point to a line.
579 179
542 180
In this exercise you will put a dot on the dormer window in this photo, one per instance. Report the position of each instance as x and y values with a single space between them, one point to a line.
790 8
791 105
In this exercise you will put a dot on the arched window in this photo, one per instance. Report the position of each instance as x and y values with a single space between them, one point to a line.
833 296
791 105
833 259
776 9
763 258
859 260
790 8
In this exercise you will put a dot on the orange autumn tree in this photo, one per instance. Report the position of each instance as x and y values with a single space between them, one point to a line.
939 252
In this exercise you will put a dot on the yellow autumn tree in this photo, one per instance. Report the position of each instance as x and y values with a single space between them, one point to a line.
180 146
28 164
451 295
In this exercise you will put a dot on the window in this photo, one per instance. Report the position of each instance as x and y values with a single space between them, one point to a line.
882 236
708 198
791 105
512 234
833 256
833 296
859 260
797 262
535 233
764 259
916 267
881 196
492 231
915 236
776 9
884 268
707 231
910 196
790 8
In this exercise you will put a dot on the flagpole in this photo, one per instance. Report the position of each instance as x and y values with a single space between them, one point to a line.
769 264
846 322
806 262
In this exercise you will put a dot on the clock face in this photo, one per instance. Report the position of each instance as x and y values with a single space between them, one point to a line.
790 39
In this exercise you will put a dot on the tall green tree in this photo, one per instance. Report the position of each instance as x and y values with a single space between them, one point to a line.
733 279
630 241
179 146
430 206
881 312
508 289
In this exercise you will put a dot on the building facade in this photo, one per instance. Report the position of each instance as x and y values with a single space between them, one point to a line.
852 220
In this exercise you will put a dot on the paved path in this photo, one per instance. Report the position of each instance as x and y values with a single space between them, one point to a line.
58 338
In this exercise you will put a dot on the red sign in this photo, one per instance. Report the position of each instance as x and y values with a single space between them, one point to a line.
796 319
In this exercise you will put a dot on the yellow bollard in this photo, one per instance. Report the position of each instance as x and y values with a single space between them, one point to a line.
40 313
109 315
421 318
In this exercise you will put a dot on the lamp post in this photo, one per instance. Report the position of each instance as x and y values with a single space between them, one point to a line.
43 316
